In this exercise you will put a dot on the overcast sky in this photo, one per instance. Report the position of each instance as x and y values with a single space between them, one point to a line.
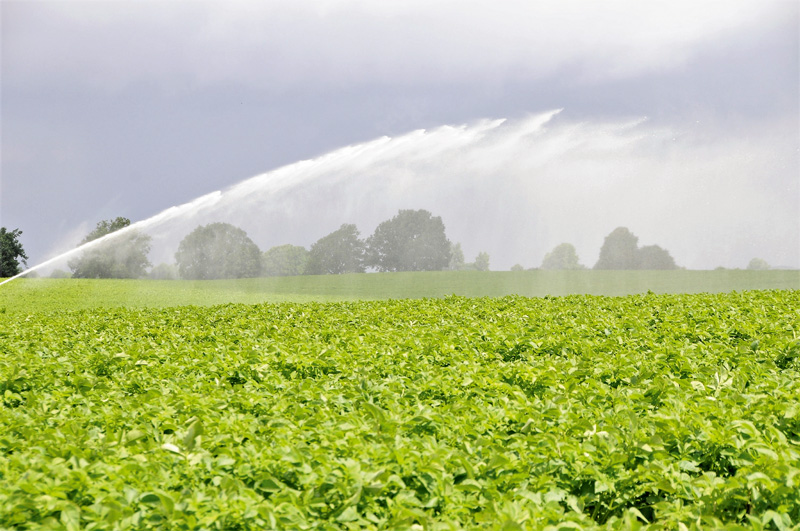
679 119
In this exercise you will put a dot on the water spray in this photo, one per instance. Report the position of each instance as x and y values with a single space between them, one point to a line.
160 218
513 188
362 154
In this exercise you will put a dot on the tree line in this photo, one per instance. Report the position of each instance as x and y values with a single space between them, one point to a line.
412 240
620 251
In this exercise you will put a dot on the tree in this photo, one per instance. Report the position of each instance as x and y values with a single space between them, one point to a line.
107 226
339 252
121 257
456 257
654 257
218 250
11 253
285 260
758 264
481 262
563 256
413 240
517 267
619 251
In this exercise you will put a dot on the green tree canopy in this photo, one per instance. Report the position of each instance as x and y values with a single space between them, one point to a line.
456 257
758 264
339 252
218 250
124 256
285 260
107 226
654 257
11 252
563 256
413 240
481 262
620 251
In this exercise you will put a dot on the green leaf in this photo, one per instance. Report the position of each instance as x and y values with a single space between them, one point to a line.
171 448
349 515
71 517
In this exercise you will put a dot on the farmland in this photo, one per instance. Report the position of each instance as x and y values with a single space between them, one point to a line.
652 411
35 295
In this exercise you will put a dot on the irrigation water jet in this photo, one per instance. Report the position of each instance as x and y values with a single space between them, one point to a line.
272 181
516 189
160 218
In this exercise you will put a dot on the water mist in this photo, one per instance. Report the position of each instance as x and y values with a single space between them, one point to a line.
514 188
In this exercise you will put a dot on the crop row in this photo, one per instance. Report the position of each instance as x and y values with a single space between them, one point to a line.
643 412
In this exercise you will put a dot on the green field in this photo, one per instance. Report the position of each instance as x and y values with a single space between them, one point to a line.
581 412
25 295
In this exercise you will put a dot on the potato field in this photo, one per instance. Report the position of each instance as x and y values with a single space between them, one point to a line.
511 413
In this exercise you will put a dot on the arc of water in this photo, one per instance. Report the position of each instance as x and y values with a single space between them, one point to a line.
422 143
159 219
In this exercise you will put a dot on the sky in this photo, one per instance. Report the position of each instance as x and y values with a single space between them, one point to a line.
677 119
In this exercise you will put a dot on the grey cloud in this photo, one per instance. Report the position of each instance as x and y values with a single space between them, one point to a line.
278 45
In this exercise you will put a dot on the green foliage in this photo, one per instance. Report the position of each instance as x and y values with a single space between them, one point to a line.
563 256
337 253
645 412
654 257
758 264
285 260
413 240
620 251
481 262
107 226
218 250
121 257
12 254
456 257
517 267
24 296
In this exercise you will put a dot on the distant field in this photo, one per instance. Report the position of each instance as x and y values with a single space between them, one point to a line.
30 295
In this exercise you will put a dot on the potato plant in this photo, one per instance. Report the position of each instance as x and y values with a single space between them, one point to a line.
581 412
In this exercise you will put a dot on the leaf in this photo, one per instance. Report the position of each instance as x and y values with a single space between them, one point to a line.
698 386
71 517
781 521
638 514
172 448
688 466
150 498
133 436
349 515
194 431
603 485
